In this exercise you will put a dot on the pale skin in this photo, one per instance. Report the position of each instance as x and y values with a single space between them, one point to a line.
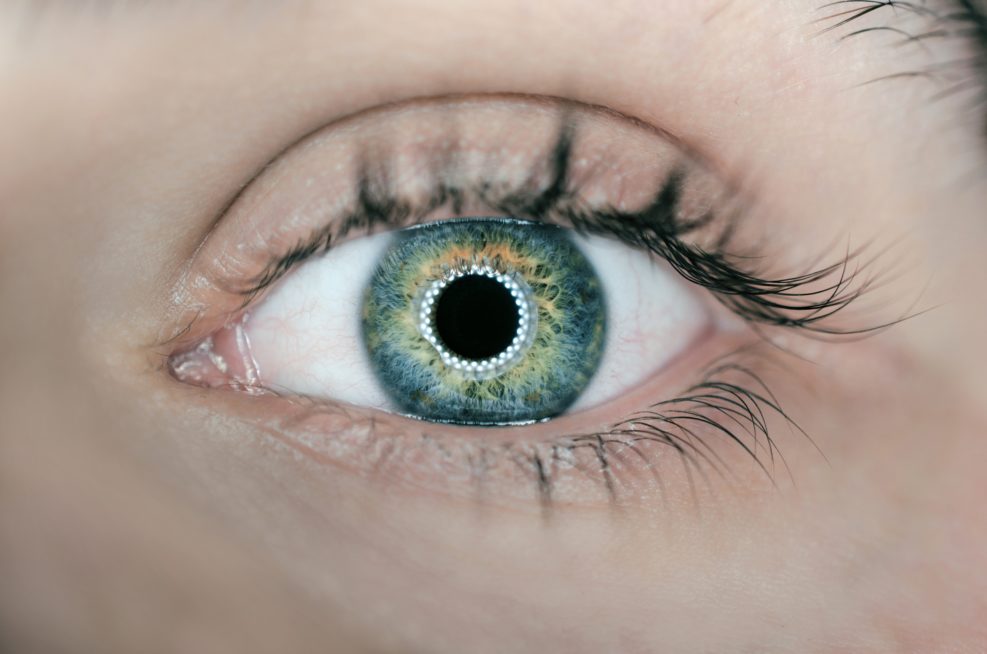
138 513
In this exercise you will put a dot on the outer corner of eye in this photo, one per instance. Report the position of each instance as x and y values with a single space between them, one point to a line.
655 319
480 321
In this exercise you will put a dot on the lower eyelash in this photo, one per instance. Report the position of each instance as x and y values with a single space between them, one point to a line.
731 403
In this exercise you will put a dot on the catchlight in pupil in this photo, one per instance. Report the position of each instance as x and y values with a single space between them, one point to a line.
476 317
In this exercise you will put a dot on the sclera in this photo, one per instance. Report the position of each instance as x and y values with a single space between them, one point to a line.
305 338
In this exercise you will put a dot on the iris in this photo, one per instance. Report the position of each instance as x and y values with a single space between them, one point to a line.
484 321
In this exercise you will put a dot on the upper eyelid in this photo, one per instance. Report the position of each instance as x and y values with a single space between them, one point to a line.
372 182
377 202
808 299
211 272
805 301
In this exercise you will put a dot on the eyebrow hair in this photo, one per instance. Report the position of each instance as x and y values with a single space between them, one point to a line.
975 13
33 11
26 17
962 20
970 14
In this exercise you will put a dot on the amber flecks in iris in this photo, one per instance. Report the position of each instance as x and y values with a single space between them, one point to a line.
563 355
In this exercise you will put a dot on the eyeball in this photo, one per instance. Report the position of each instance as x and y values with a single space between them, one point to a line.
481 321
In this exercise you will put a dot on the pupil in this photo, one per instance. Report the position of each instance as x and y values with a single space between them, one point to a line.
476 317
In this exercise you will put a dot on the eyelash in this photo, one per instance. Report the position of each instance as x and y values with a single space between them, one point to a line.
667 423
803 301
731 400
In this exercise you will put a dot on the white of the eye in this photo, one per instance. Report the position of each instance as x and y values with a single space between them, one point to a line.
653 315
306 336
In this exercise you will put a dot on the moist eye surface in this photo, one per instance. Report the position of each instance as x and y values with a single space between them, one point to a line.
484 321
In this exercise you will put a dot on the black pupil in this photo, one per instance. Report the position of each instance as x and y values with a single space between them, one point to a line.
476 317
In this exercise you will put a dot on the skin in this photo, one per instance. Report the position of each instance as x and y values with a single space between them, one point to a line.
139 514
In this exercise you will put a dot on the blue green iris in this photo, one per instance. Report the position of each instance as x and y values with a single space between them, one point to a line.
484 321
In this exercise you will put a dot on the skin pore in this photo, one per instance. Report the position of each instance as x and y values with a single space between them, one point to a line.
138 513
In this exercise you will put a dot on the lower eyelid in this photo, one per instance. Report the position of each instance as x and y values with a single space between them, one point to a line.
555 463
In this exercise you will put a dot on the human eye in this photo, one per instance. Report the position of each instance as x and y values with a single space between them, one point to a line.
509 288
474 321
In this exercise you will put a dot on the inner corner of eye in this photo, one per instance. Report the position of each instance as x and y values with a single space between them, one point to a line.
477 321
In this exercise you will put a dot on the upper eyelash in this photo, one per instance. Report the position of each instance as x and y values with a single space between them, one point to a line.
798 301
805 301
